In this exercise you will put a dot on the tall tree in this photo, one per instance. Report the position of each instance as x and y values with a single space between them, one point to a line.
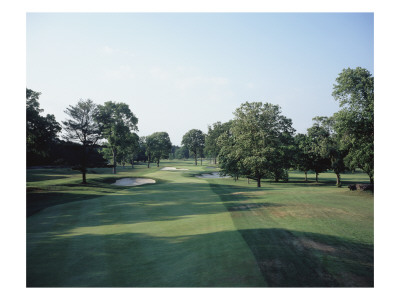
259 133
158 146
318 136
211 139
82 127
132 148
354 89
326 145
116 121
194 140
303 155
41 132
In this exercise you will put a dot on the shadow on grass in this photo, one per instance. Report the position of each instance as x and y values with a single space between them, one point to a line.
39 198
303 259
285 259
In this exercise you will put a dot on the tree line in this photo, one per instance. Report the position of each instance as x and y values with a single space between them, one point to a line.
258 143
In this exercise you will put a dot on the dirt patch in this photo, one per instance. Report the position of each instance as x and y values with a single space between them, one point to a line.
310 244
133 181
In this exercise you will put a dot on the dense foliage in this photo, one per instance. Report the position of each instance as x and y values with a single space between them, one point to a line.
258 144
194 140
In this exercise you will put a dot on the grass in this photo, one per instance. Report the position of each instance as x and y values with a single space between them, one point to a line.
189 232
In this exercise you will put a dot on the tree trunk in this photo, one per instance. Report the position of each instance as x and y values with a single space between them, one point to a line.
83 166
195 158
338 183
114 163
258 182
158 163
316 176
305 173
201 161
371 180
215 160
148 161
248 180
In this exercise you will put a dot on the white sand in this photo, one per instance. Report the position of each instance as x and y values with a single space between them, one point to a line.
212 175
133 181
172 169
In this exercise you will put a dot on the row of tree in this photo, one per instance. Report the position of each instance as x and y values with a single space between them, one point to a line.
258 143
109 129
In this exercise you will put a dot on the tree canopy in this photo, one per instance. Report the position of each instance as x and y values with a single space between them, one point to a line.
82 127
158 145
354 123
194 140
116 122
255 147
41 131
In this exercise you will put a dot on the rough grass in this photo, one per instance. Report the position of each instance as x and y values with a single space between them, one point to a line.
185 231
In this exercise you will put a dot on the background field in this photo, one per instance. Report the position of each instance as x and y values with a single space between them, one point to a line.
187 231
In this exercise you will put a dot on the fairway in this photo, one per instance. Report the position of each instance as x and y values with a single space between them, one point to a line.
185 231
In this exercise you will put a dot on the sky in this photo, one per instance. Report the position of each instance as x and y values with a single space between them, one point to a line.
182 71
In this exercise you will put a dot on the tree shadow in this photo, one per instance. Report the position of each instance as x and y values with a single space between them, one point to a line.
304 259
284 258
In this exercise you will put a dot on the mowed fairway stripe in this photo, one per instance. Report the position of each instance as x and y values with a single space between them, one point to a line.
173 233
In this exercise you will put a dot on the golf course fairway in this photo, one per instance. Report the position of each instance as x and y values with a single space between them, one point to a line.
185 231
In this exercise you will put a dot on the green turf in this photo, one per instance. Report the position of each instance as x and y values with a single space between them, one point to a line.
184 231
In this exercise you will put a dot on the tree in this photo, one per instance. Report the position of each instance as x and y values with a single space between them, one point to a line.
158 146
82 128
318 136
182 153
303 156
116 121
41 132
211 138
132 148
354 123
141 154
254 146
326 146
194 140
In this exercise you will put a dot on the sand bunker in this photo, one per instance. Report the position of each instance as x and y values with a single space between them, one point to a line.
172 169
212 175
133 181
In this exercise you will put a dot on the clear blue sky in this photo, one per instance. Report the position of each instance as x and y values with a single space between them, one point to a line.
179 71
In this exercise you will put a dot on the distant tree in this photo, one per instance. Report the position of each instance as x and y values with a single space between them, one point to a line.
255 146
318 137
141 154
194 140
172 154
303 156
116 121
132 148
41 132
182 153
329 146
354 123
158 146
82 127
211 139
